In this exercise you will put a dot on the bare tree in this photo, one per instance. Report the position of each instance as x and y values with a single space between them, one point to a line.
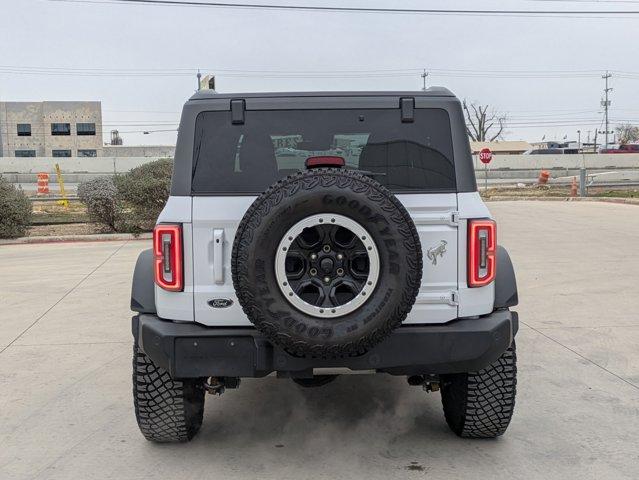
483 124
627 133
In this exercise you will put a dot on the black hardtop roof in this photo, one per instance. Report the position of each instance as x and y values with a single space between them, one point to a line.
429 92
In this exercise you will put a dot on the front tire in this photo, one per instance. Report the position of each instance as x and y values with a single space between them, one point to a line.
480 404
167 410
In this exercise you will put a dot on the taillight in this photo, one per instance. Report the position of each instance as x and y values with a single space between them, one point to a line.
167 247
482 243
325 161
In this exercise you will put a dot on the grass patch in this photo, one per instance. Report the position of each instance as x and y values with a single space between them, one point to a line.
54 213
558 192
616 194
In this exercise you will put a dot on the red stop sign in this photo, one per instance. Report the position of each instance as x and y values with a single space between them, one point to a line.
485 155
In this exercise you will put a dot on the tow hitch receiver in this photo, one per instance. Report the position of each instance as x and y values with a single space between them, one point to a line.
217 385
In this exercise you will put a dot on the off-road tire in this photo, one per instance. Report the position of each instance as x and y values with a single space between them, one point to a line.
481 404
317 191
167 410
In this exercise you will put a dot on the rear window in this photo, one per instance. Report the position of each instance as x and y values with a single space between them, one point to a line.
247 158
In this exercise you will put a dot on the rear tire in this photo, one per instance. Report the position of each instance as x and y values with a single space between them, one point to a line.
167 410
480 404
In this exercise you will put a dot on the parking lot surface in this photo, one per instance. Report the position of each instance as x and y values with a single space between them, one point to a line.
65 375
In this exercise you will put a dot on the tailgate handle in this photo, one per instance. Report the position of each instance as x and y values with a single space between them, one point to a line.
218 255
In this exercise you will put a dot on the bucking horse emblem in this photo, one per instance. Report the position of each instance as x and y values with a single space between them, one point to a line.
433 252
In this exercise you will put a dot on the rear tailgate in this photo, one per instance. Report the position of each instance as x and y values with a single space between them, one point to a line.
215 221
239 152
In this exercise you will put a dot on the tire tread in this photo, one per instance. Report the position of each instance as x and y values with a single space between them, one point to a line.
307 180
166 410
481 404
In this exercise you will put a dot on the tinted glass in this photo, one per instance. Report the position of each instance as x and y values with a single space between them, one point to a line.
25 153
85 128
60 129
247 158
24 129
87 153
61 153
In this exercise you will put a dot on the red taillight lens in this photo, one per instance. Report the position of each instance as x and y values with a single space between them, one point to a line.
167 247
482 243
325 161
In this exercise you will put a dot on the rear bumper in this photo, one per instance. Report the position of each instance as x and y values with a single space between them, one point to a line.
188 350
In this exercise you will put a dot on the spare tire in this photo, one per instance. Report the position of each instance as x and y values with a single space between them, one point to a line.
326 263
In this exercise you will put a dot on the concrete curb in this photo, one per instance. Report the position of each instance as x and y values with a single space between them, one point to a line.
505 198
103 237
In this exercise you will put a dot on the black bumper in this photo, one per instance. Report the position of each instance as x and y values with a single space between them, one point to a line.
189 350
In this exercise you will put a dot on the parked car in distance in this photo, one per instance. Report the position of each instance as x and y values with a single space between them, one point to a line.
544 151
626 148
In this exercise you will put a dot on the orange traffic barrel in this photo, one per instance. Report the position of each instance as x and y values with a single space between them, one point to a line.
544 175
43 183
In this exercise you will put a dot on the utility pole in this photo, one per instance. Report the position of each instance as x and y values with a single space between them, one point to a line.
606 103
199 78
424 75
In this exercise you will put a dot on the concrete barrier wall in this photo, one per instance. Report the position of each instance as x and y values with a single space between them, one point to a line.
550 162
102 165
505 167
525 168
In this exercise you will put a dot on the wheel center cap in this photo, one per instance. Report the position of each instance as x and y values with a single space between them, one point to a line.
326 264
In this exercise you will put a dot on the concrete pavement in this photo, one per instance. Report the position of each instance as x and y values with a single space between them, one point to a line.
65 366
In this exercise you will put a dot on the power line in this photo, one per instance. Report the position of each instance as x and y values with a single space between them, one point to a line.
350 73
321 8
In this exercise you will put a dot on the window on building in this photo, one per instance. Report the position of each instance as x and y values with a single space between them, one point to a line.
60 129
25 153
85 129
24 129
61 153
87 153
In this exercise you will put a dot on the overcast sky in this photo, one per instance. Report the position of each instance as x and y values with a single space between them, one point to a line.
39 35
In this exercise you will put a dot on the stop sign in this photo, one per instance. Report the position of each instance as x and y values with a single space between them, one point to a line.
485 155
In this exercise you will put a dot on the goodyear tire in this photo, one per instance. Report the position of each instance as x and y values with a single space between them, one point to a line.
481 404
167 410
326 263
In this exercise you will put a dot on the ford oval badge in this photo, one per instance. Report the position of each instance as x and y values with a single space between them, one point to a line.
220 302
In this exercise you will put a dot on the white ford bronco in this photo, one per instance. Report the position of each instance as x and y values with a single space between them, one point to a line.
309 235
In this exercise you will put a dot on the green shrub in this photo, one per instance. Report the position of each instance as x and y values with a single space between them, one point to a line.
130 202
15 211
99 196
143 192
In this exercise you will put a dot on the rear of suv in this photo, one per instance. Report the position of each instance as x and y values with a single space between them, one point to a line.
309 235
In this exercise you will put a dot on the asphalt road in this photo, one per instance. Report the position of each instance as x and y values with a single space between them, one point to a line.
65 375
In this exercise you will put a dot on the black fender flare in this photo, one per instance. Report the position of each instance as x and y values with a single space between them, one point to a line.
505 281
143 285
